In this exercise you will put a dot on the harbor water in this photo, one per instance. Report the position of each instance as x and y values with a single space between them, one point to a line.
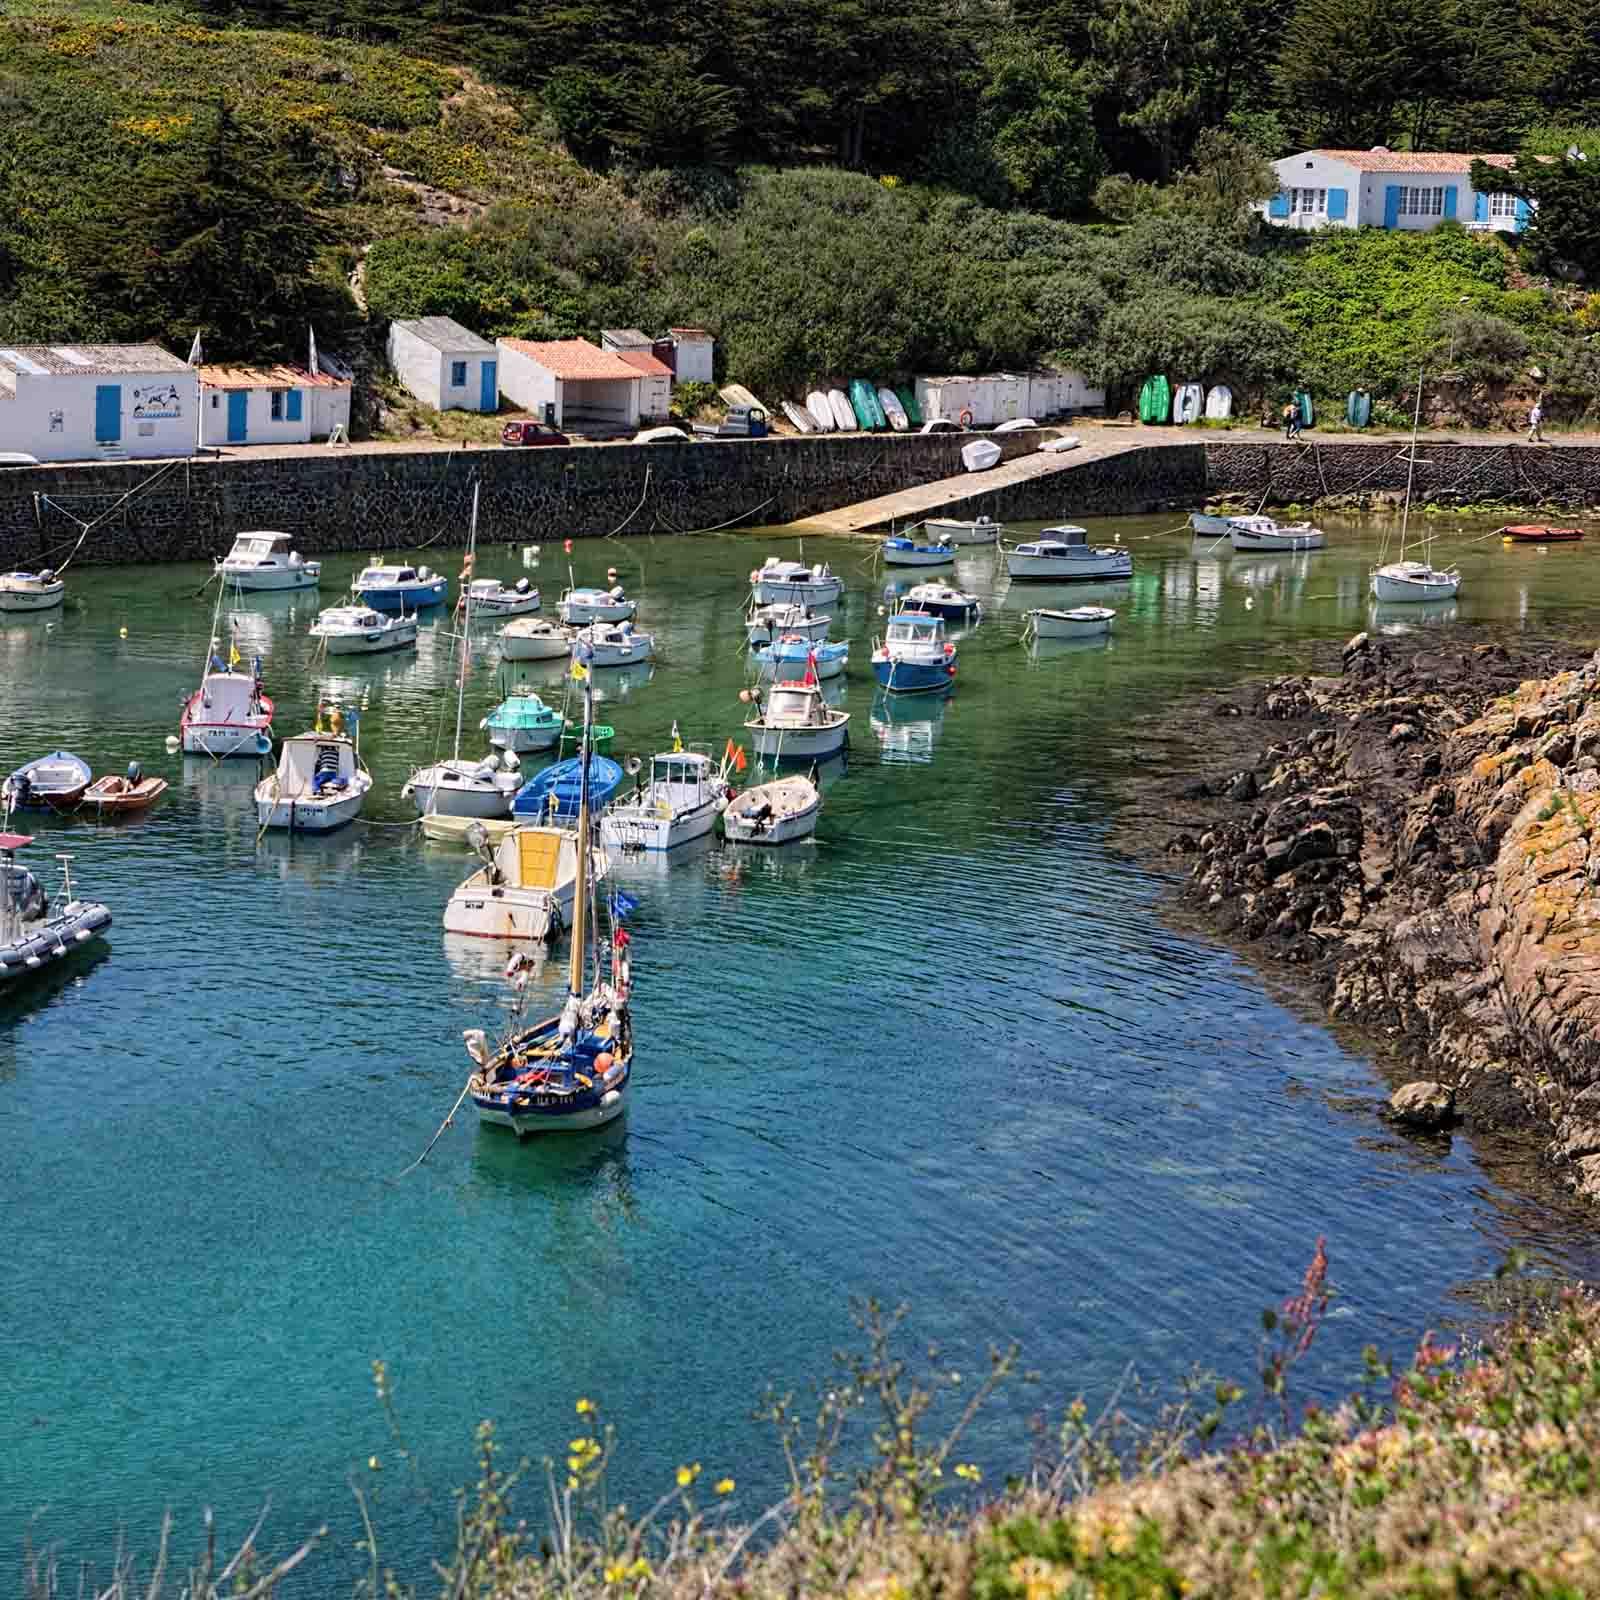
947 1054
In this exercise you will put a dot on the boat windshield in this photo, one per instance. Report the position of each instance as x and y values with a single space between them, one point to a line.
1068 533
789 703
259 544
922 630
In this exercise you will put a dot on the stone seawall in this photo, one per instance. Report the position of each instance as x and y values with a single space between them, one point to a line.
1311 470
396 500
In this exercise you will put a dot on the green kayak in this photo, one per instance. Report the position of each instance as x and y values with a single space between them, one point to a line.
1155 400
908 398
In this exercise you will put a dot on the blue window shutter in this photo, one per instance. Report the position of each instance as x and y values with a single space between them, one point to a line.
1522 215
1391 205
1480 208
458 374
293 409
1450 201
1278 206
1338 204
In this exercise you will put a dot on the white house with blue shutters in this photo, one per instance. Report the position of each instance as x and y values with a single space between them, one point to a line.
444 365
89 402
280 404
1382 188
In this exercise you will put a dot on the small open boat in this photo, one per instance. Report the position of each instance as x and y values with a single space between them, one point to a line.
120 797
56 782
31 591
908 553
773 813
491 598
32 930
1537 533
534 639
1082 622
955 530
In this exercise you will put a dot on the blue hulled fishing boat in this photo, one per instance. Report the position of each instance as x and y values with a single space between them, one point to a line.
914 657
570 1071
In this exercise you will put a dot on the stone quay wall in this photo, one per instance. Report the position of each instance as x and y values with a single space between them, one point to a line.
391 500
1564 475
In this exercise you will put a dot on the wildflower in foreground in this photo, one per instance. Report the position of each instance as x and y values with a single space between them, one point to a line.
724 1486
585 1407
687 1475
965 1469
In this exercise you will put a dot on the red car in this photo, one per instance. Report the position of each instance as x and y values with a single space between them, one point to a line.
525 431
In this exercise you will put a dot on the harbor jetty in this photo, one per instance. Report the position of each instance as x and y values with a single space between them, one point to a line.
1420 833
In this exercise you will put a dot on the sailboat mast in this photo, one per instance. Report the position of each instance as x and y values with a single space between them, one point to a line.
466 620
1411 466
580 891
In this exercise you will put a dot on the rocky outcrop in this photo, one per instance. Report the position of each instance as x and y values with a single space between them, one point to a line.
1423 838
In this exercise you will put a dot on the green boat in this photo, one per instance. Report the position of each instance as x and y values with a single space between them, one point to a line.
1302 399
523 722
908 398
1155 400
1358 408
600 734
864 402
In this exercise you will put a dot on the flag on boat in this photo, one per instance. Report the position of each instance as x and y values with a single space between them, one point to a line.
728 750
677 738
622 905
234 658
579 671
810 679
739 762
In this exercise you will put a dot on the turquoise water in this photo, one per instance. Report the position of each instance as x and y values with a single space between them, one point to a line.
948 1054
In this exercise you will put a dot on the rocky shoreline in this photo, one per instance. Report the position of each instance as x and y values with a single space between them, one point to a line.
1417 833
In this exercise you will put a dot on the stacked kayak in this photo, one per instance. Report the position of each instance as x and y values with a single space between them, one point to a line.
1155 400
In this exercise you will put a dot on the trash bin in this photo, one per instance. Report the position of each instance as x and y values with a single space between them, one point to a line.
758 424
550 412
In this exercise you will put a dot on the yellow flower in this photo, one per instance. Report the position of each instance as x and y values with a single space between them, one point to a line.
616 1572
585 1407
640 1568
687 1475
965 1469
374 1463
724 1485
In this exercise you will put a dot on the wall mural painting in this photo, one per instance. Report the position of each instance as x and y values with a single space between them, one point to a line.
155 401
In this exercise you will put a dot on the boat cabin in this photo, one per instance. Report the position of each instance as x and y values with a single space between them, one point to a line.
263 550
1057 541
386 577
315 765
794 705
681 780
775 571
915 627
342 618
535 858
228 696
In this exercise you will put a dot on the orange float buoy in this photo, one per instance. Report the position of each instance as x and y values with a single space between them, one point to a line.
566 544
603 1061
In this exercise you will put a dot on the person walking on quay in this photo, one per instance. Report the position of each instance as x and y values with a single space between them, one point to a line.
1291 421
1536 424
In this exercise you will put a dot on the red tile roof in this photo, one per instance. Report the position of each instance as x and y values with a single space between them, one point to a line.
572 358
1380 160
646 363
278 376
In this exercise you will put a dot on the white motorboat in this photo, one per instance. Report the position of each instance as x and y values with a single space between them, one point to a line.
908 553
794 722
524 889
1404 582
1210 524
1064 555
33 932
457 787
940 599
319 785
264 561
1083 622
616 644
491 598
31 591
1265 534
773 813
953 530
776 581
534 639
361 631
980 455
682 801
580 607
766 623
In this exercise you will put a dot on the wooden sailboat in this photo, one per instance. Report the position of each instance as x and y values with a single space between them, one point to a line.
570 1071
1408 582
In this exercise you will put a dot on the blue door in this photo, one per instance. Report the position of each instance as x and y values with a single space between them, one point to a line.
1391 206
107 413
489 394
238 409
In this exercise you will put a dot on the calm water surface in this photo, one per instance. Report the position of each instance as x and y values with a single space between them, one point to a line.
948 1054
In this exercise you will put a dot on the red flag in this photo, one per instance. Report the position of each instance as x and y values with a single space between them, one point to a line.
810 678
739 762
727 754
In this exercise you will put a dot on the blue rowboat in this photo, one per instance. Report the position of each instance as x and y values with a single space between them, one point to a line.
789 658
400 588
908 553
562 781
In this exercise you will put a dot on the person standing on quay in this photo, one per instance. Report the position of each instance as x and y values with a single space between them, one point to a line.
1536 423
1291 421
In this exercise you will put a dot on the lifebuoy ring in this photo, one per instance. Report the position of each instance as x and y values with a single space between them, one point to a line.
965 418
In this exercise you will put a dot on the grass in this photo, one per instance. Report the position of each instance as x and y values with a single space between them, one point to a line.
1468 1474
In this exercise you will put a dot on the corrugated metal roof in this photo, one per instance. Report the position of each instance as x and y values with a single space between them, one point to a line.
84 360
278 376
1381 160
574 359
447 335
649 365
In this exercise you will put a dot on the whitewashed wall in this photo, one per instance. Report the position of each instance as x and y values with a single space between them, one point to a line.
418 365
53 417
526 384
259 426
694 360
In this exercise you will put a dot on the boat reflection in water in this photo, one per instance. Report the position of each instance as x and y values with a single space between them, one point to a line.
1042 652
654 865
1402 619
908 730
319 859
224 791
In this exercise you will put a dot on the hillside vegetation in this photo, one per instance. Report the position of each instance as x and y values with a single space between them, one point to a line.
172 169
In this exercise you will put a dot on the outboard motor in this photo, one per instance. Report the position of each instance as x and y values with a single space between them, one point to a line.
522 585
135 774
26 894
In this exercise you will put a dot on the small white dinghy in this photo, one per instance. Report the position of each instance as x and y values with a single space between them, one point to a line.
1264 534
893 410
319 785
1188 401
491 598
773 813
617 644
954 530
1016 425
361 631
31 591
980 455
821 411
843 414
802 419
785 619
581 606
1082 622
1219 403
534 639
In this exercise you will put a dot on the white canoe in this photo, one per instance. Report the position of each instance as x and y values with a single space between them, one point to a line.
843 414
821 411
980 455
893 410
1080 623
